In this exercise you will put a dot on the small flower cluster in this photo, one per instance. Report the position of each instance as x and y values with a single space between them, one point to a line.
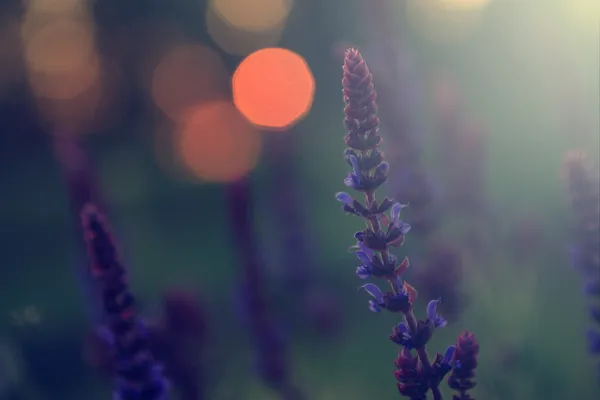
139 377
418 374
584 190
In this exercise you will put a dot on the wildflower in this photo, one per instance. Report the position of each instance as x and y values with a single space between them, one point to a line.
464 362
412 381
399 300
138 375
404 337
384 229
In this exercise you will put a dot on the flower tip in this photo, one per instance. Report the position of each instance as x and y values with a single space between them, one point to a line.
374 291
432 314
344 197
351 52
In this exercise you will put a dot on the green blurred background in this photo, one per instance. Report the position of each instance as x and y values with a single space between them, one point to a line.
528 69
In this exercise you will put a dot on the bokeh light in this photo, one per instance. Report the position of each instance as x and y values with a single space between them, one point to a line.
96 107
187 75
216 143
444 21
238 41
274 88
255 16
53 7
585 12
60 46
65 85
64 69
462 4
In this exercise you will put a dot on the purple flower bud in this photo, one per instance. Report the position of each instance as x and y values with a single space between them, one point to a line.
352 181
374 291
344 198
403 227
363 257
355 165
403 328
448 354
432 315
363 247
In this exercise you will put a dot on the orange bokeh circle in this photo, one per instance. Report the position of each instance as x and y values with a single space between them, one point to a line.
273 88
216 143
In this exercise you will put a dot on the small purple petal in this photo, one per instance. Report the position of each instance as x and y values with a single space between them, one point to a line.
403 227
395 212
373 306
349 181
403 328
363 247
363 272
440 322
374 291
355 166
383 168
432 309
363 257
448 354
344 198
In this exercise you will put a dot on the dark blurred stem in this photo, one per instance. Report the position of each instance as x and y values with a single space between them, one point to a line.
261 322
82 188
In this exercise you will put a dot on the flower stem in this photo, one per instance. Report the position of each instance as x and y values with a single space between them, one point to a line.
370 197
411 321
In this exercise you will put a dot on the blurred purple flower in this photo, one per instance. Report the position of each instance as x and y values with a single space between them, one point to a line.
137 374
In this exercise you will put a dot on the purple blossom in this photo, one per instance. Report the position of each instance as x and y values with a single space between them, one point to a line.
138 375
384 229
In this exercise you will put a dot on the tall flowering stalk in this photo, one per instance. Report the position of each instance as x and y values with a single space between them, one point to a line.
584 190
138 376
313 305
271 351
416 374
